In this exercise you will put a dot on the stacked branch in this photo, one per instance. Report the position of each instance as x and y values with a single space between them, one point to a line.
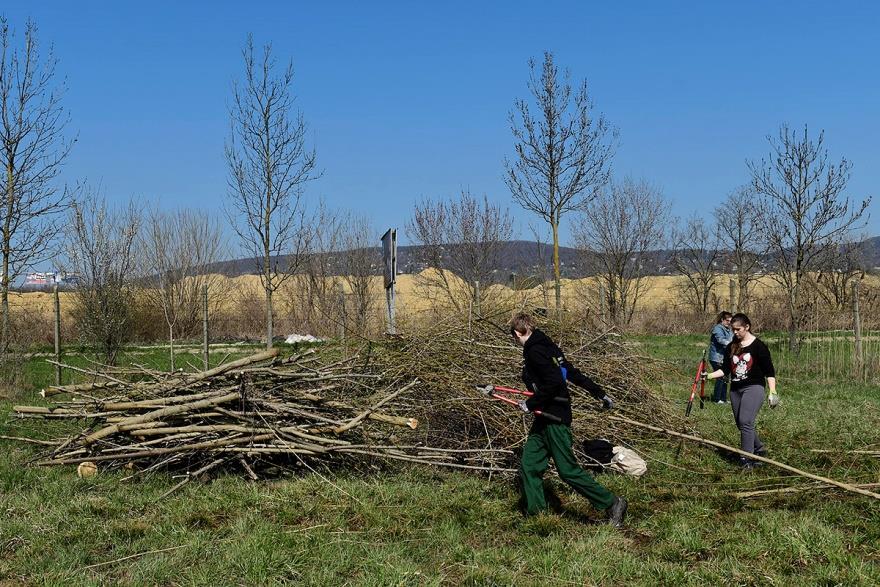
253 413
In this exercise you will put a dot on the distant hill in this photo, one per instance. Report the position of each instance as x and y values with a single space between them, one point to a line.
523 258
520 257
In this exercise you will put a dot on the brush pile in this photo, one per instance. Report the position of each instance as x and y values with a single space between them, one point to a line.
453 357
411 400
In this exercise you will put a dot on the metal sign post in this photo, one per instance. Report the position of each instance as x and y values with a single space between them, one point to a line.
389 259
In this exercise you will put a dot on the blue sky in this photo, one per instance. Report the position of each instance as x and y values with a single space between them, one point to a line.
407 100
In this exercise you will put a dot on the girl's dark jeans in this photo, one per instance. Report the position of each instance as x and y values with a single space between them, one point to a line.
720 392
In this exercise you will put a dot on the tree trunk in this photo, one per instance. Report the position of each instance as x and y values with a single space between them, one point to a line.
270 315
171 344
793 320
554 225
4 279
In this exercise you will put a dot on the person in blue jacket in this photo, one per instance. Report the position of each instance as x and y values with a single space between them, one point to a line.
721 336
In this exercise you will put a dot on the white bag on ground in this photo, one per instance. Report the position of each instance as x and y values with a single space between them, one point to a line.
627 461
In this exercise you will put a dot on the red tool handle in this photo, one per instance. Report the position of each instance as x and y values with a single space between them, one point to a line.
702 368
687 411
512 390
516 403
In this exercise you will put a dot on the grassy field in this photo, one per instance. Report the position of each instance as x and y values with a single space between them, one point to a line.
424 527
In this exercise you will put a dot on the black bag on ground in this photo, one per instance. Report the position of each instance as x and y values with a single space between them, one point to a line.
599 454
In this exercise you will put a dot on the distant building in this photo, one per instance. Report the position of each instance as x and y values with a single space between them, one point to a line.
49 279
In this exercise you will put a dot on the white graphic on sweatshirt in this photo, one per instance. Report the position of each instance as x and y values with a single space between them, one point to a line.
741 364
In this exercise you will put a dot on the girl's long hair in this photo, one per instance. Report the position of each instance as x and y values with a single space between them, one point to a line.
742 320
722 316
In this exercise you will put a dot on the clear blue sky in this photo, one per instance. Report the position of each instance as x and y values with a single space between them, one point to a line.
410 99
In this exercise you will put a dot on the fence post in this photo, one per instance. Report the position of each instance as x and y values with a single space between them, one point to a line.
477 296
341 294
57 336
205 356
857 327
602 305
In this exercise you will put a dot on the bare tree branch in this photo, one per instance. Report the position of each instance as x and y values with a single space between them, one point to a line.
33 149
697 257
178 248
100 248
563 153
742 235
615 232
803 210
268 165
464 236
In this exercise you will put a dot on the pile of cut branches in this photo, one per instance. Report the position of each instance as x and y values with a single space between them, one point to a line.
453 357
259 412
409 399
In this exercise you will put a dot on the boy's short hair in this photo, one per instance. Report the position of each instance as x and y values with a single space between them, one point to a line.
522 322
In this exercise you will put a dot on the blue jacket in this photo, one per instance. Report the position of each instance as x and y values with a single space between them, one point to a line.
721 337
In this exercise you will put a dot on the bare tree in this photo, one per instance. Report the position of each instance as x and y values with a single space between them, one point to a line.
836 270
563 153
741 233
268 165
615 233
465 236
315 290
697 257
100 248
32 151
803 209
178 249
359 262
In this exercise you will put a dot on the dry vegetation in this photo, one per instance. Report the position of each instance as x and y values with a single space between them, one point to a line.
240 314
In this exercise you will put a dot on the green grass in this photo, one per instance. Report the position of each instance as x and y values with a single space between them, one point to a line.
424 527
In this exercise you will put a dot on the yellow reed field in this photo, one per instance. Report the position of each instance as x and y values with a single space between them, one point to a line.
414 294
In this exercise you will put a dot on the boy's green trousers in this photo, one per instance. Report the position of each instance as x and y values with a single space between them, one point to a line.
554 440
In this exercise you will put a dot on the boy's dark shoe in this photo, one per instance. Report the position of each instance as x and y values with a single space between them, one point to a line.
762 452
617 512
748 464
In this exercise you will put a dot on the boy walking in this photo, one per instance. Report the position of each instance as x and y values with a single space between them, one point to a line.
545 373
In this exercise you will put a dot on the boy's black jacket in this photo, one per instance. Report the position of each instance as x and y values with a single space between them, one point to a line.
542 374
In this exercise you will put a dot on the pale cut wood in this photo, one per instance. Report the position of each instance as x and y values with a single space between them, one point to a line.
812 487
134 421
755 457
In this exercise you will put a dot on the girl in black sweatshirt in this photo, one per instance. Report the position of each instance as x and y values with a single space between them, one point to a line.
748 363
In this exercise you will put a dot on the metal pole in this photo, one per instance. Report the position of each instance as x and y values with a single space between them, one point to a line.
389 297
205 356
57 336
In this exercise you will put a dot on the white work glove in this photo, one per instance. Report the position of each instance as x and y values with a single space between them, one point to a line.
522 405
607 403
773 399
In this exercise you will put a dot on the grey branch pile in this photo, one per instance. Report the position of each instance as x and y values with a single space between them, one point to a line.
253 413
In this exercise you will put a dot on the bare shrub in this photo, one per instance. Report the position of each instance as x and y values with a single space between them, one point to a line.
696 257
463 240
614 235
100 249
